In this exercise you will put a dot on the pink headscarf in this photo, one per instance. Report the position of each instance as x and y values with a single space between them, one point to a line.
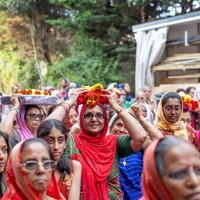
25 133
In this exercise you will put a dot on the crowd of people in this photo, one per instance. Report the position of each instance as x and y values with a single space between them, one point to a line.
101 143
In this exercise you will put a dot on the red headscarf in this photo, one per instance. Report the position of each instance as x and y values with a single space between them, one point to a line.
97 156
18 186
153 187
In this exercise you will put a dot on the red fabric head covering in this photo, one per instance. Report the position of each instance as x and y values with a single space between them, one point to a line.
97 156
94 95
91 98
153 187
18 186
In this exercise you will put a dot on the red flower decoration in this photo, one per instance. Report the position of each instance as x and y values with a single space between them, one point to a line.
93 96
194 104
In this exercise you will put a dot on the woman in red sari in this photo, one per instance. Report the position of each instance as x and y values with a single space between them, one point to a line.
97 152
29 172
171 170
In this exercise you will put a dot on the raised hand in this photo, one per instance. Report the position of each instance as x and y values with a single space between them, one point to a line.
74 95
14 100
112 98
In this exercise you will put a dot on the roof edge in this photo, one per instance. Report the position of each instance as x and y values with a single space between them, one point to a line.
180 19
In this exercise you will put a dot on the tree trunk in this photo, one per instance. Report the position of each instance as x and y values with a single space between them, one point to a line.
33 38
142 13
44 39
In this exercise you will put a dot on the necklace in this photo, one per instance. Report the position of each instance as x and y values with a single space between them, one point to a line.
124 162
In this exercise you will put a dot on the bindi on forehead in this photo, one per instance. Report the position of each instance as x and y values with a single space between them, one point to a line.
188 163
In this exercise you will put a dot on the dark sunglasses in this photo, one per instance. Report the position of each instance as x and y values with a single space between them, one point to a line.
34 116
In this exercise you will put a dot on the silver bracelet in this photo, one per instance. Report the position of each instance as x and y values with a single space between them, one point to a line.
14 108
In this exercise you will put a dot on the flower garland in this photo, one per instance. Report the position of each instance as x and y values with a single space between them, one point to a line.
93 94
188 101
33 92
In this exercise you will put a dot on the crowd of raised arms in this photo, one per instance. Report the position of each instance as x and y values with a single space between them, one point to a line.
100 143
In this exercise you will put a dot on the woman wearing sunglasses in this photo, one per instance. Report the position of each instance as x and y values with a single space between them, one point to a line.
171 170
29 172
29 117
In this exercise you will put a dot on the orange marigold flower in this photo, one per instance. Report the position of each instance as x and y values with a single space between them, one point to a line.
29 92
37 92
93 95
46 92
23 92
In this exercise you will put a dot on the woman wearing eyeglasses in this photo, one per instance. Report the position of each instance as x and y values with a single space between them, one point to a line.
29 172
97 152
29 117
171 170
168 116
67 172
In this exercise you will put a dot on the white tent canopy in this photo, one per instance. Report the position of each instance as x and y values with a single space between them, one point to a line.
150 47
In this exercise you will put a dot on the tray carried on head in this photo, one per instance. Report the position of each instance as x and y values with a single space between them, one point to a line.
32 100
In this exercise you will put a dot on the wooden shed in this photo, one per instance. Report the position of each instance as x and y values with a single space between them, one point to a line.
176 64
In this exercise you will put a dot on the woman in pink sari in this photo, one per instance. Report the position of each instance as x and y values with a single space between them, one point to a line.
28 117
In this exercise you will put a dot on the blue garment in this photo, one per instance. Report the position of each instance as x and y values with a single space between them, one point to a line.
128 97
131 175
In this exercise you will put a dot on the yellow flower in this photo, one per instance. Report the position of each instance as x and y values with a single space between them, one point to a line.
182 94
86 87
97 86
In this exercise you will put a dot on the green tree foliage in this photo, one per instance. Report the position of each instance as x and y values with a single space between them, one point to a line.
100 30
87 41
85 71
28 75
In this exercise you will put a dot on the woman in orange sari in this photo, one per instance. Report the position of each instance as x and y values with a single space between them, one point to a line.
168 117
